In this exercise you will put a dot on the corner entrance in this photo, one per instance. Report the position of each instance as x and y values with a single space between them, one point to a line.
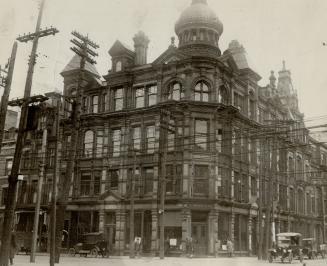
200 233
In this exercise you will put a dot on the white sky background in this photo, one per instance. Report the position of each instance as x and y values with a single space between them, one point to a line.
270 31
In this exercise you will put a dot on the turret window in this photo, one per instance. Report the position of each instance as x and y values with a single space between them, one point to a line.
95 104
175 92
201 92
88 143
222 95
201 135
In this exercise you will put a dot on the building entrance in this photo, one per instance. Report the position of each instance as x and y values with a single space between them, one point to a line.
200 240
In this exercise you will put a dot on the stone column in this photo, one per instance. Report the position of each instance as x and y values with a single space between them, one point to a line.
154 233
120 231
212 230
232 223
186 225
250 247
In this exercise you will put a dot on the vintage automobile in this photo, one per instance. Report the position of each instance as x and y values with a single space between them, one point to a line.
287 248
309 248
322 250
93 244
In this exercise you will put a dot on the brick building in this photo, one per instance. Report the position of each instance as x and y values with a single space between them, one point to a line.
233 144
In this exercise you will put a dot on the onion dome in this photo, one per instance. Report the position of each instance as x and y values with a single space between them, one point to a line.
198 24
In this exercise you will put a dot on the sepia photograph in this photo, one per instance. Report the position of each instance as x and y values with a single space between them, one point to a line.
163 132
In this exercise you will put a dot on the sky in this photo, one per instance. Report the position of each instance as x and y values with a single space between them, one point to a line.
270 31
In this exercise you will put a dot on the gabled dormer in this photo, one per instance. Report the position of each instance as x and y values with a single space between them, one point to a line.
121 56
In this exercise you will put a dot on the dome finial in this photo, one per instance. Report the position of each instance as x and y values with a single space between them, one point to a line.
284 65
199 2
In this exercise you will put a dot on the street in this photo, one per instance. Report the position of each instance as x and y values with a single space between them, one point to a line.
22 260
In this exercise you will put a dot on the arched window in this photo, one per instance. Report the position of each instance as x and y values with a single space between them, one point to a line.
175 91
201 92
118 66
88 143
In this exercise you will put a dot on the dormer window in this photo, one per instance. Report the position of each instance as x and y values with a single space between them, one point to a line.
201 92
118 66
175 91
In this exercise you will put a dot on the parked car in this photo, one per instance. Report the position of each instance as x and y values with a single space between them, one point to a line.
93 244
288 247
309 248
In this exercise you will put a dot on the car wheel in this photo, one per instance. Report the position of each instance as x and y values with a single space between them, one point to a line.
72 252
94 253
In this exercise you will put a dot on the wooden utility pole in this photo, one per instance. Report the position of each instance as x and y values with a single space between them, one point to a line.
39 186
85 51
261 193
7 85
13 178
269 202
164 128
54 186
131 218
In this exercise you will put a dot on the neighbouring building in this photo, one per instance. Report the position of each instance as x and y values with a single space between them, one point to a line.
230 145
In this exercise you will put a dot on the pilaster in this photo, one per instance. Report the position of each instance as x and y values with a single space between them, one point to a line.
120 231
154 233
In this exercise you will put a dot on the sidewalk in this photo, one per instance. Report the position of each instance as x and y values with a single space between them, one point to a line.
43 260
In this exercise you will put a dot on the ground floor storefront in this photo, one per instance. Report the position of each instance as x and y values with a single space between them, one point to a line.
210 226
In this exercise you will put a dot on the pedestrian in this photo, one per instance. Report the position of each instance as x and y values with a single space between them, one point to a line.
13 248
191 247
230 247
137 245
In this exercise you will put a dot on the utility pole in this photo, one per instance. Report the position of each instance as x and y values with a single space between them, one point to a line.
261 192
84 50
13 178
165 126
6 83
54 186
269 202
39 186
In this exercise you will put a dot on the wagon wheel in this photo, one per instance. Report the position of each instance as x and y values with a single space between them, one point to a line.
94 252
72 252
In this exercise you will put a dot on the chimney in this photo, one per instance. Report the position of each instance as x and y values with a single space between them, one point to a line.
141 42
